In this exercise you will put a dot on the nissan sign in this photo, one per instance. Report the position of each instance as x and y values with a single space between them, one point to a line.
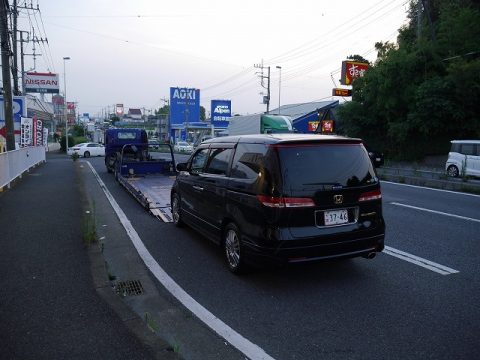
41 82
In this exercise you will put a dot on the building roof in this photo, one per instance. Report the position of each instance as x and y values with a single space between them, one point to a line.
298 110
295 111
39 107
134 111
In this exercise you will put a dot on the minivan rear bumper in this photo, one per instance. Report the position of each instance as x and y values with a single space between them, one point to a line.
284 252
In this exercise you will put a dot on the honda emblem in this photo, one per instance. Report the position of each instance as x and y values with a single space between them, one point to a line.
338 199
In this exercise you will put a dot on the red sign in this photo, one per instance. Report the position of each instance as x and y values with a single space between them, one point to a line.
3 132
352 70
70 105
313 125
37 131
57 100
341 92
327 126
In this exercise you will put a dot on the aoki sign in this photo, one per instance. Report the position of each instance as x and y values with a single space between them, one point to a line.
184 105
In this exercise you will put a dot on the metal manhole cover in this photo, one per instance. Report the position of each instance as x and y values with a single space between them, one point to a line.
128 288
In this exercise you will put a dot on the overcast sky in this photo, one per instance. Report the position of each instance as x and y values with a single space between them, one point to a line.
132 52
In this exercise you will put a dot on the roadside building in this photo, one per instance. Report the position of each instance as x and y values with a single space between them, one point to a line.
306 117
134 115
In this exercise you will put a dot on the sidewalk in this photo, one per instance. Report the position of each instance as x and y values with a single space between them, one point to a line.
49 307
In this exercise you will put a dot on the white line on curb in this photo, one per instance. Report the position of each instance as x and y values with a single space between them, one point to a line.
427 264
244 345
436 212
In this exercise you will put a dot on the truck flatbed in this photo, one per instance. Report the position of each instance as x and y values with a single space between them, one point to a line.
153 192
148 179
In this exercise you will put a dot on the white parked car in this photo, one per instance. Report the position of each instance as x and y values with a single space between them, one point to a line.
87 149
183 146
464 158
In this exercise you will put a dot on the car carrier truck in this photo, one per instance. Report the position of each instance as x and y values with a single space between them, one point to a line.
147 176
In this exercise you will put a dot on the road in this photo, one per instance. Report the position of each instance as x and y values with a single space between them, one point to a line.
417 300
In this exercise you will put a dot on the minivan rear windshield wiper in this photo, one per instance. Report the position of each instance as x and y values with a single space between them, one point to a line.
324 183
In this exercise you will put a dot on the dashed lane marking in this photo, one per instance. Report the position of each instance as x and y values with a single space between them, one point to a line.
427 264
436 212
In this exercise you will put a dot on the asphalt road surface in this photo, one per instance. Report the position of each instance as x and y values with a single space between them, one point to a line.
417 300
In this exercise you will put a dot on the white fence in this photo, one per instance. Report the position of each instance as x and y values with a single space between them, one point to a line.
14 163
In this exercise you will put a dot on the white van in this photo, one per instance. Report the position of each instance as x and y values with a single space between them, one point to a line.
464 158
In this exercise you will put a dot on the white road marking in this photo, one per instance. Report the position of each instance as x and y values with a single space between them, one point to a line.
244 345
427 264
436 212
427 188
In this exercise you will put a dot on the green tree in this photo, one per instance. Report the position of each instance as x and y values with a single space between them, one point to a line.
163 111
114 119
421 92
78 130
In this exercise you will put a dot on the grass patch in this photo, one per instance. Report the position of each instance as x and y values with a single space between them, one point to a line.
90 227
151 323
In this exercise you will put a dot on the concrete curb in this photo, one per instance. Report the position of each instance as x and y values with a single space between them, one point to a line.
160 349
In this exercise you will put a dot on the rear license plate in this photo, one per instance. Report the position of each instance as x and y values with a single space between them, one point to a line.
335 217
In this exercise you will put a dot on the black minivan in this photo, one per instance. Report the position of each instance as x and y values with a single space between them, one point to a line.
282 197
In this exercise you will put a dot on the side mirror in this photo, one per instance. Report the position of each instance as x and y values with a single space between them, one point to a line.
182 167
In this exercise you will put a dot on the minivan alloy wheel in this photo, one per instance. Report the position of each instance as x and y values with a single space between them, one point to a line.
176 212
233 248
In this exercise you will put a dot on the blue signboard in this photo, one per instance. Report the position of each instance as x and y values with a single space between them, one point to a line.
221 110
18 107
184 106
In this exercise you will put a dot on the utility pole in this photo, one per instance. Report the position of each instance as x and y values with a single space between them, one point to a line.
7 86
16 91
22 60
15 13
34 53
426 8
266 99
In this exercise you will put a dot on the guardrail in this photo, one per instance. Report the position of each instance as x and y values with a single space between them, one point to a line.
427 178
14 163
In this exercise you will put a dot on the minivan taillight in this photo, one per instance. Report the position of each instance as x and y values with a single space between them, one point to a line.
370 195
282 202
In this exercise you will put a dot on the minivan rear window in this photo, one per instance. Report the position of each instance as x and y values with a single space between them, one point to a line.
325 166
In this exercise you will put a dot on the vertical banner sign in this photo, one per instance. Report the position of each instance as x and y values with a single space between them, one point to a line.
26 132
184 105
45 138
221 110
352 70
37 131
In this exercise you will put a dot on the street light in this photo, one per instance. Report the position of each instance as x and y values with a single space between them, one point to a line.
65 103
279 87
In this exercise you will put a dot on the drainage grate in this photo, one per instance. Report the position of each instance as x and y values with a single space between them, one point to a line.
128 288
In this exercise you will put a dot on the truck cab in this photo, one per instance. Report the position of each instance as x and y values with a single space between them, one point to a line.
115 139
